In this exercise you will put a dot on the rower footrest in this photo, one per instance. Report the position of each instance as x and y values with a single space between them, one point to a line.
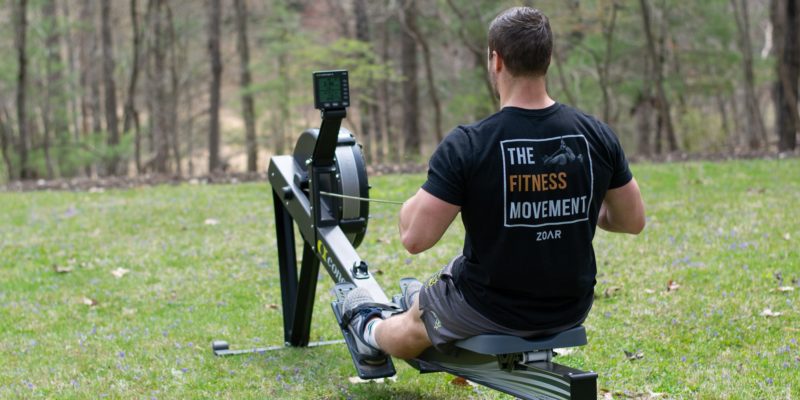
365 371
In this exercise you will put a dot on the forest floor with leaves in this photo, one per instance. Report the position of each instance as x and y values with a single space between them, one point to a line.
118 293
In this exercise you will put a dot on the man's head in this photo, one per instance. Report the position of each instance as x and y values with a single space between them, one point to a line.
521 36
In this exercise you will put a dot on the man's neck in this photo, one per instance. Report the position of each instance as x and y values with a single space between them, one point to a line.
529 93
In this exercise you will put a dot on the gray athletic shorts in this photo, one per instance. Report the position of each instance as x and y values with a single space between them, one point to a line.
448 318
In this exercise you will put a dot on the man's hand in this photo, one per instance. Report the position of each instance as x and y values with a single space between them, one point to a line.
423 220
622 210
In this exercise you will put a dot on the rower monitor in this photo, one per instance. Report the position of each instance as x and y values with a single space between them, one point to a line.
331 90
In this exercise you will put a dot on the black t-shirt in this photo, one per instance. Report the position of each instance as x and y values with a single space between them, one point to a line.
530 184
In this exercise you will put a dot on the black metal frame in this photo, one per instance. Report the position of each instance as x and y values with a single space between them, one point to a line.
297 296
324 240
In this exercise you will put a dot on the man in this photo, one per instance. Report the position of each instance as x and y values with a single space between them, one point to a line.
532 182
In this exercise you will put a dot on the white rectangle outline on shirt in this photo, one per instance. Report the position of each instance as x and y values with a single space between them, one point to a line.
505 189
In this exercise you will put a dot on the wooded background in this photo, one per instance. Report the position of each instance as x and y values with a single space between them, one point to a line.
126 87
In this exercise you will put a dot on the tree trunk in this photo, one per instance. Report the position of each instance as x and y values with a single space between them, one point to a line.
605 80
130 117
73 100
415 32
54 115
365 105
723 115
175 94
643 112
663 106
755 126
110 87
562 79
158 98
284 118
410 89
739 135
248 103
785 20
95 71
22 85
384 101
47 130
478 53
86 78
338 13
5 141
58 101
190 130
214 17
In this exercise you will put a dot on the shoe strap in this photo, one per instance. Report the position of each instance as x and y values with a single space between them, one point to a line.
368 308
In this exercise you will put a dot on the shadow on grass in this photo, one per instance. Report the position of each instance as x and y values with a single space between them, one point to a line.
387 392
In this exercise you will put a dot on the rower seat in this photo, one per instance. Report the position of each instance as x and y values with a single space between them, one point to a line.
506 344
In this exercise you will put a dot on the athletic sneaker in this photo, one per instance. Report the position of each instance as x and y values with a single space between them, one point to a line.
358 308
409 288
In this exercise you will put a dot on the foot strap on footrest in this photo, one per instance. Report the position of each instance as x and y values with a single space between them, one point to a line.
365 370
349 314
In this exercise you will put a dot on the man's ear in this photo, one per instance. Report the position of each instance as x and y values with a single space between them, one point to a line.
496 62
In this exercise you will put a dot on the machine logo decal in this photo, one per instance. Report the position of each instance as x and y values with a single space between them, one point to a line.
329 263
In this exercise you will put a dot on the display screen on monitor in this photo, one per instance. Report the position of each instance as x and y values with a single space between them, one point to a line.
330 89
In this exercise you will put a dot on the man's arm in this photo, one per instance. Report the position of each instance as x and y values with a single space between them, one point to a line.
423 220
622 210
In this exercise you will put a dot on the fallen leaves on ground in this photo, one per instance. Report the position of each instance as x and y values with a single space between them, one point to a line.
459 381
120 272
636 355
565 351
272 306
672 286
784 289
355 379
89 301
61 270
211 221
769 313
612 290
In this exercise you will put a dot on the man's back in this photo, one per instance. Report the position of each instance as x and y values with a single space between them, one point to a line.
530 184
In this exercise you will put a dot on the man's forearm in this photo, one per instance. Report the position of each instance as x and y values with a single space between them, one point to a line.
404 219
622 210
604 223
423 220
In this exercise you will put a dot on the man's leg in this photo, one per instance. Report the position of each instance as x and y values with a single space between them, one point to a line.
404 335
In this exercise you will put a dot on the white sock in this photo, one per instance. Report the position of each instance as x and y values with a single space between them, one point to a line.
369 332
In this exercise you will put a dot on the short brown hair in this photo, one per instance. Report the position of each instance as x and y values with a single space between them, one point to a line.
522 37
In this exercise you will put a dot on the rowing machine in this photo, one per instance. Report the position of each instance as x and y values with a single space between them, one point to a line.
322 188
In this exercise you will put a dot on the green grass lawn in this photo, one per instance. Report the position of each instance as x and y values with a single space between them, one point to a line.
724 234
